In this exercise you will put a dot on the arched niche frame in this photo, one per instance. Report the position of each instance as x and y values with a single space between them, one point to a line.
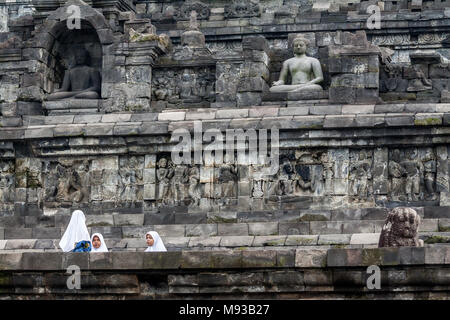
55 39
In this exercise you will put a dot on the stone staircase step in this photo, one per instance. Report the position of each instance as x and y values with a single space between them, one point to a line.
174 243
172 217
223 229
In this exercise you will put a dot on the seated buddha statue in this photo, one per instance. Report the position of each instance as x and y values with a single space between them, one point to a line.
80 82
306 72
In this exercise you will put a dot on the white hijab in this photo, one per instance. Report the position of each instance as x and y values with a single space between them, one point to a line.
76 231
103 247
158 244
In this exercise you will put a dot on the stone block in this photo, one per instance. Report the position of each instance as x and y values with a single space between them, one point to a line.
337 121
204 241
18 233
201 230
293 228
176 242
358 109
429 225
435 255
259 259
326 227
369 120
42 261
171 116
11 261
286 258
128 260
99 220
358 227
398 120
108 232
263 228
80 259
311 258
236 241
365 238
44 244
301 240
136 232
46 233
325 110
262 241
170 230
334 239
195 259
128 219
162 260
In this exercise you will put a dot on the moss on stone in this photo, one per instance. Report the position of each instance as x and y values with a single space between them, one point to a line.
313 217
428 121
371 257
437 239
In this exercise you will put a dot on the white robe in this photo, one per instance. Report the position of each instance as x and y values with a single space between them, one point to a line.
158 245
76 231
103 247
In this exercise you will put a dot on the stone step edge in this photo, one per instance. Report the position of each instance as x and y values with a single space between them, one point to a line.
242 228
227 241
233 259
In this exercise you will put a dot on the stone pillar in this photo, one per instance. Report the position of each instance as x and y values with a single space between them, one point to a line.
354 69
255 76
127 83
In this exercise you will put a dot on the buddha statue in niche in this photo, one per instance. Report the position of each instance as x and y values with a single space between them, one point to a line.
306 72
81 81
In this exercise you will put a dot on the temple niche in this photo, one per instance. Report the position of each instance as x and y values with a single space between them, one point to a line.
77 56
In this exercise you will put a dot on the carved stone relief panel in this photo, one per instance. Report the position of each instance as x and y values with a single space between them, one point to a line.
173 88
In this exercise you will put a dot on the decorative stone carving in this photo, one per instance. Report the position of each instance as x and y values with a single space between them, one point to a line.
413 167
359 176
400 229
228 177
306 72
164 174
131 175
7 182
67 181
241 9
195 191
188 85
184 12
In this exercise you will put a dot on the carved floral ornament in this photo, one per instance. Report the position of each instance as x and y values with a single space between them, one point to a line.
184 12
240 9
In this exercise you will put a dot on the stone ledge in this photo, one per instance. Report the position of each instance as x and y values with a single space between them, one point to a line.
232 259
262 118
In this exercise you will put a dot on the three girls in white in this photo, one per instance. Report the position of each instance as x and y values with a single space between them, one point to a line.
76 238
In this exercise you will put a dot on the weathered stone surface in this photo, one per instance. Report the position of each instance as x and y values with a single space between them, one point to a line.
311 258
236 241
128 219
265 259
334 239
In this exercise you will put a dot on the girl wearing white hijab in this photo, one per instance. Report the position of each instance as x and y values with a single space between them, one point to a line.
154 242
98 244
76 232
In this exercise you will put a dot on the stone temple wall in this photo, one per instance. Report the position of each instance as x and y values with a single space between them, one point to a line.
376 136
